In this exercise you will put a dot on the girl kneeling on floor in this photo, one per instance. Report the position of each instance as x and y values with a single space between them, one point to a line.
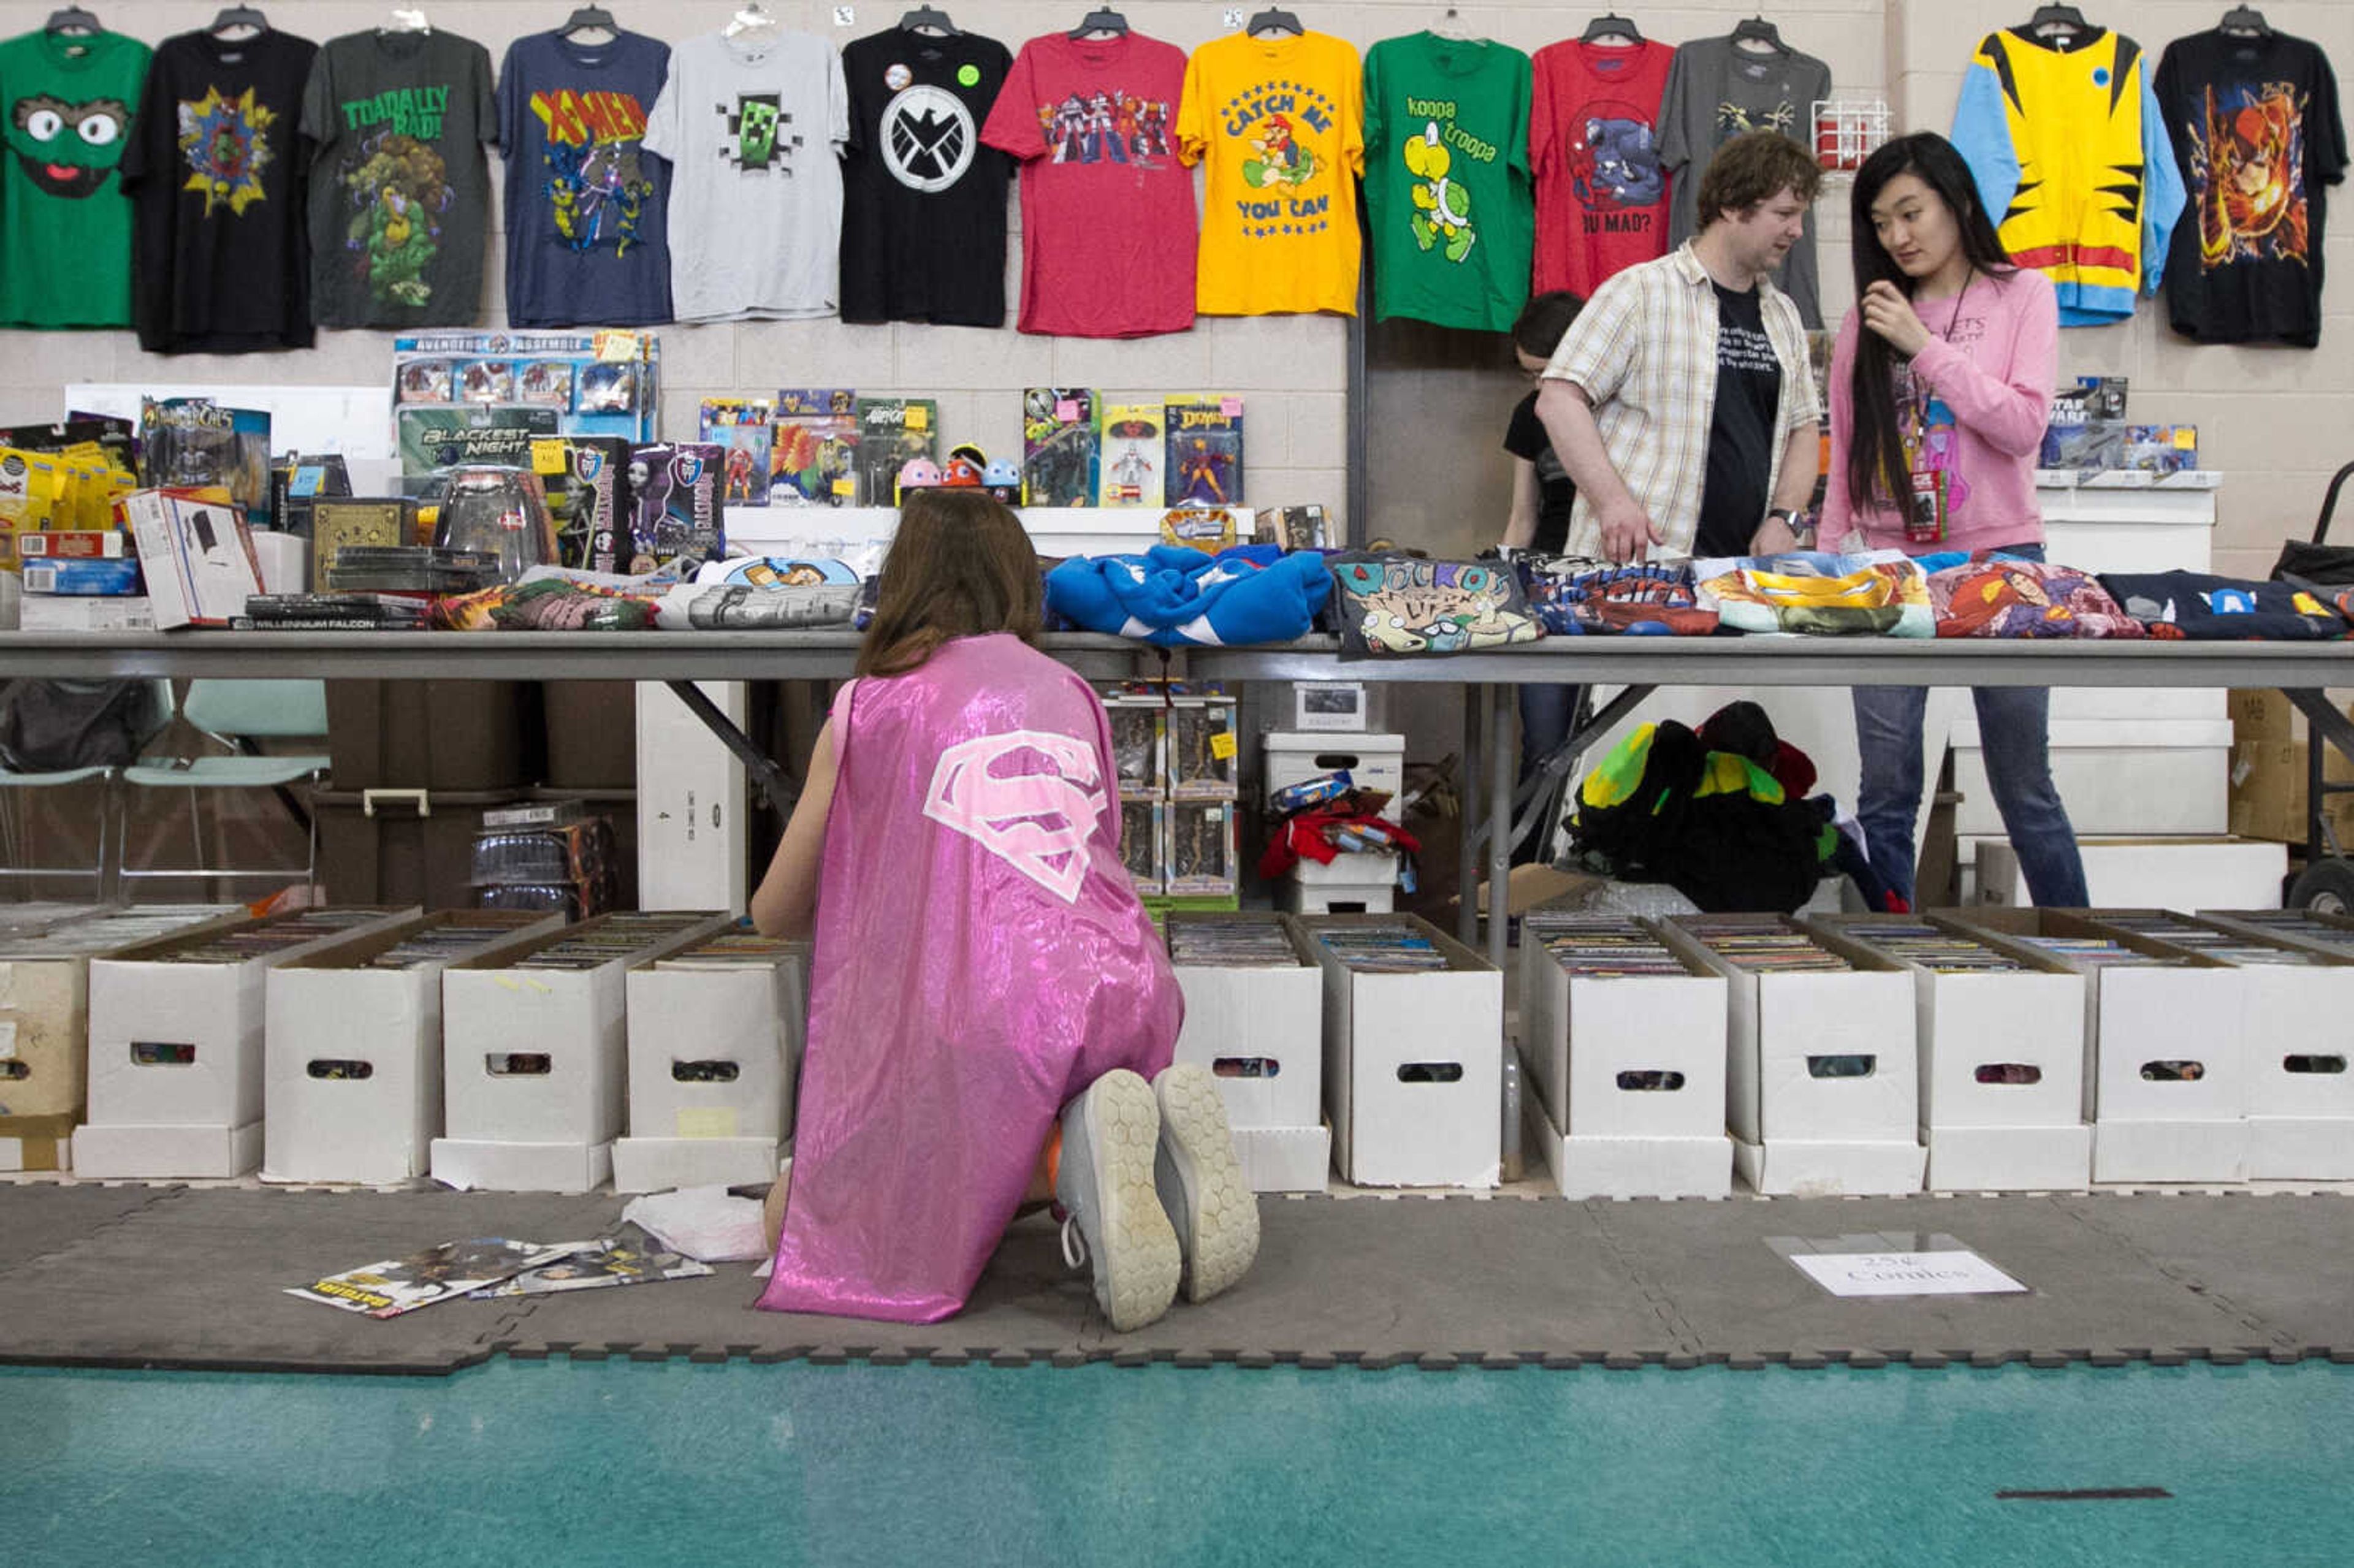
987 996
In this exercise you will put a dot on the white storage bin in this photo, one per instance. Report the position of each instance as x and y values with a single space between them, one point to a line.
1260 1031
2135 872
1373 762
715 1058
2116 776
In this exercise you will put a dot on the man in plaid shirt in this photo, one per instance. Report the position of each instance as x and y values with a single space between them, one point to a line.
1682 401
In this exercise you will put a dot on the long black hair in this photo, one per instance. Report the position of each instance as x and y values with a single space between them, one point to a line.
1875 455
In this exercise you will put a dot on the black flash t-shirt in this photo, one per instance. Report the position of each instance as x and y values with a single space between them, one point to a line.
1740 435
218 172
923 201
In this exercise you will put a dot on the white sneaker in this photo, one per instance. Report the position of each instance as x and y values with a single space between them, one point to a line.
1201 1182
1105 1182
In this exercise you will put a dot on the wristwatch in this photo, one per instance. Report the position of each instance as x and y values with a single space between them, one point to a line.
1800 523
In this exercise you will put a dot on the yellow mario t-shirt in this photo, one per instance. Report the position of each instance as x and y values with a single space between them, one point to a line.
1282 122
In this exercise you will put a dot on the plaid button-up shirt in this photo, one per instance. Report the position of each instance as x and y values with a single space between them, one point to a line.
1644 352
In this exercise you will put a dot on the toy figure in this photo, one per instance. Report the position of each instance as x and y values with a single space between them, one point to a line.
1198 473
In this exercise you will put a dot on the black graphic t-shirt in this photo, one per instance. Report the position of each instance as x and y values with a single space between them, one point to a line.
1556 491
2257 136
401 189
217 173
1740 435
588 238
923 213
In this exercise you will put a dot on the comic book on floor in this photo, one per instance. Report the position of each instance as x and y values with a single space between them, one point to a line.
454 1268
602 1262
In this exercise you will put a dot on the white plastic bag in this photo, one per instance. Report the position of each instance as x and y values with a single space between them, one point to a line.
708 1223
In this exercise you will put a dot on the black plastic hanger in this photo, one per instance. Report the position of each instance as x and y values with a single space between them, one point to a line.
1273 20
589 18
1758 31
1104 21
2247 22
2058 19
72 19
1611 25
235 16
924 17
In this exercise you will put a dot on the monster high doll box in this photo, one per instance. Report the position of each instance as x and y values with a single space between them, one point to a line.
745 429
589 497
892 433
674 505
1132 455
1203 464
1061 446
814 456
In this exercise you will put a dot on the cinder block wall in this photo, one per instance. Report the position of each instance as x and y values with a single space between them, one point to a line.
2274 419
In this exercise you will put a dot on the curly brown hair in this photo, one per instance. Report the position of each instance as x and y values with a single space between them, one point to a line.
1754 167
959 566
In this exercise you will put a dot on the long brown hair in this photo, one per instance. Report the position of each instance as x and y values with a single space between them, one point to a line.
960 566
1876 476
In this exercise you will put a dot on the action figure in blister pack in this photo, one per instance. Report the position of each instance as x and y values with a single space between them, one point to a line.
426 381
608 388
545 381
486 381
1135 746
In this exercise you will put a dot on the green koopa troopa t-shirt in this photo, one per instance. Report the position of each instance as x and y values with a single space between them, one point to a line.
66 106
1447 191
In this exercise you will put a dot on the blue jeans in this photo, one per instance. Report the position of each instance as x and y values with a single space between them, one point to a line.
1546 715
2014 726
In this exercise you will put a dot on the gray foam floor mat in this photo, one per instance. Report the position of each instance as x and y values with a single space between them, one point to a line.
179 1278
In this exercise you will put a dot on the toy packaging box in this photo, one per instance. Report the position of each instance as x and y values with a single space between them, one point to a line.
192 442
599 384
813 458
446 436
1204 456
745 428
1060 445
674 504
2162 449
588 485
1132 455
892 433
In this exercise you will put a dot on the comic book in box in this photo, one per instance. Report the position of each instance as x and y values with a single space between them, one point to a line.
674 505
454 1268
745 428
1205 463
1132 454
1060 445
892 433
814 459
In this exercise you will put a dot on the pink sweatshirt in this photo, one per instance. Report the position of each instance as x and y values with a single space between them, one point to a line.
1996 374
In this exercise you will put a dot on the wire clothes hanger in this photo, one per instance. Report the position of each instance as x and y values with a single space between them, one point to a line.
1611 25
1100 21
1272 20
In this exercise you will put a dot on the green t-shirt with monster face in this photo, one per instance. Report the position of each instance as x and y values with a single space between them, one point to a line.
65 108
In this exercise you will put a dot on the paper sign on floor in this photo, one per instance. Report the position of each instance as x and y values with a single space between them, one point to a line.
1906 1274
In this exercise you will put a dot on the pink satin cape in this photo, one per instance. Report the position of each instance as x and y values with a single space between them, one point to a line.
981 957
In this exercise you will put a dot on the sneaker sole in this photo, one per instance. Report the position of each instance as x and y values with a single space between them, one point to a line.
1202 1185
1106 1180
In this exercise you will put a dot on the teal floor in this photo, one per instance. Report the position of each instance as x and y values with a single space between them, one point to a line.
653 1463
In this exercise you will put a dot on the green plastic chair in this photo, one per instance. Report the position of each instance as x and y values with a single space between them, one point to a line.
99 869
232 713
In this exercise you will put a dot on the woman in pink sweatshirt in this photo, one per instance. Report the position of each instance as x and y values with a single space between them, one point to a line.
1940 387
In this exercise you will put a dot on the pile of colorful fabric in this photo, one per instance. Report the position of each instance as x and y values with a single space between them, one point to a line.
1573 597
1993 595
1878 593
1174 597
2200 608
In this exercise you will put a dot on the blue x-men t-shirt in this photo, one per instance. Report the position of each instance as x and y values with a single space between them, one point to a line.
587 241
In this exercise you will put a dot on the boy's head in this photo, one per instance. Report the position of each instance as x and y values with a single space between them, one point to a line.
1545 321
959 566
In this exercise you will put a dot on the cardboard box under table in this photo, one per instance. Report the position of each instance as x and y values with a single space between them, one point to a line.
1257 1025
1356 882
715 1058
2001 1059
1820 1071
534 1058
1413 1062
177 1030
45 1020
2166 1082
352 1046
1626 1071
2298 1020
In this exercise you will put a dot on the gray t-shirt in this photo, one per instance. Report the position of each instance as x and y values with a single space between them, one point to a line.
400 188
1716 91
753 129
